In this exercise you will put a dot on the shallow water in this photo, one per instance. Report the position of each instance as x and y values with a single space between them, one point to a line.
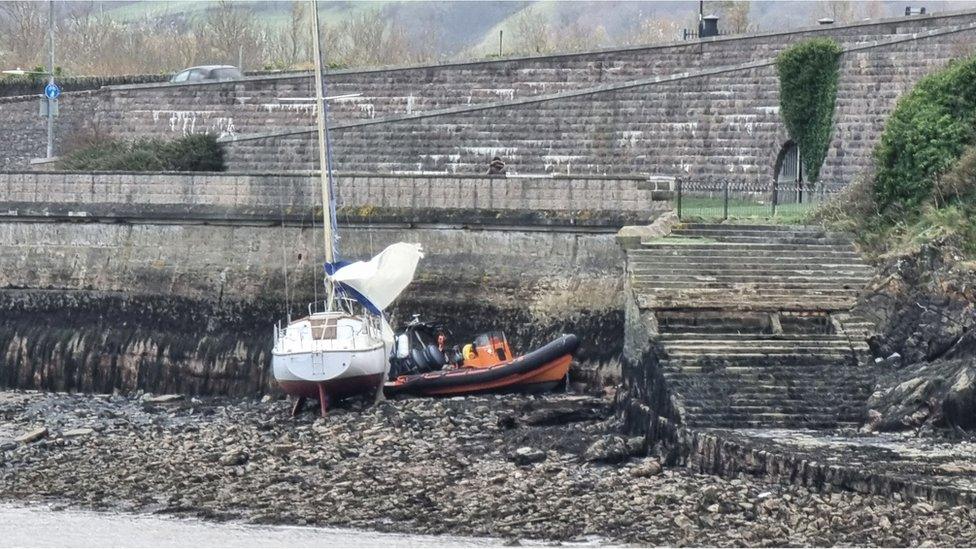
43 527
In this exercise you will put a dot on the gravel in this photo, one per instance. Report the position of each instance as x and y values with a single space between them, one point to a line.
470 466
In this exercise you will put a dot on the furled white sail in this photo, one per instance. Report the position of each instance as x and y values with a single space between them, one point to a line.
381 279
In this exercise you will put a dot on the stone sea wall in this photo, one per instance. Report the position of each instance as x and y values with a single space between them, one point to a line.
105 286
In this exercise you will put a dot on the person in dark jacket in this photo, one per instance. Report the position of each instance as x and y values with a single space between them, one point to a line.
497 167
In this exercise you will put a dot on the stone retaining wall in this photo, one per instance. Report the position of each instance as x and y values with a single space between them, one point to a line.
705 108
714 123
171 282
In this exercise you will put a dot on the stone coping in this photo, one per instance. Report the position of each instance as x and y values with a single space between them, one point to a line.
311 173
912 466
603 221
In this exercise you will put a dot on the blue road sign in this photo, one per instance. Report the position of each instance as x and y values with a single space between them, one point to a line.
52 91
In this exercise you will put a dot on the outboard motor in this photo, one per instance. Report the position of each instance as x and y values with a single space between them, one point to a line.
416 350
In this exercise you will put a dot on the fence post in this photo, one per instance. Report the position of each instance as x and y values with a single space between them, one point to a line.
725 202
775 196
677 184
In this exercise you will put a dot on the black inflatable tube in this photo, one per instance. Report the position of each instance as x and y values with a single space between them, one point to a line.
565 344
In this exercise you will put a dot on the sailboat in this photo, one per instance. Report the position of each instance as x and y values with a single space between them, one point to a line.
343 349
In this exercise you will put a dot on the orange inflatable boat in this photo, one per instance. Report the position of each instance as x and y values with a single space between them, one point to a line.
422 366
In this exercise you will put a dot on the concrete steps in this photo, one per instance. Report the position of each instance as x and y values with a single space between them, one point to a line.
754 323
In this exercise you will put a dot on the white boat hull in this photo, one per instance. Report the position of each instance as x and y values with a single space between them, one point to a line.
324 366
328 356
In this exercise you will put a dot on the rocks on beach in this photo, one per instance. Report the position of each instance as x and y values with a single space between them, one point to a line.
426 466
32 436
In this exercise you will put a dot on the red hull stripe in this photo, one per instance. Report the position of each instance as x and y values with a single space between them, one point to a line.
335 388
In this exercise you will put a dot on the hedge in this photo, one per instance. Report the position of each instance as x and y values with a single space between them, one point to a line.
193 153
808 74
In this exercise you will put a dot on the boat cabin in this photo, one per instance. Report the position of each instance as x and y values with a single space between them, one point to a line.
488 349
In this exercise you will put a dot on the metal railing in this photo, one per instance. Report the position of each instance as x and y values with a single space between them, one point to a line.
729 199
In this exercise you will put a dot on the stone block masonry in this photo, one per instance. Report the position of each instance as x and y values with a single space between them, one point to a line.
292 196
715 122
705 109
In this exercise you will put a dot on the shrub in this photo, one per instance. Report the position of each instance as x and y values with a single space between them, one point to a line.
958 185
924 137
193 153
808 74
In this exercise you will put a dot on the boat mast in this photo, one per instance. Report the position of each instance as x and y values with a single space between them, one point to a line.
324 171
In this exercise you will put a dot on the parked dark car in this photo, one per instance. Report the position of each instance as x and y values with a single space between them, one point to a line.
207 73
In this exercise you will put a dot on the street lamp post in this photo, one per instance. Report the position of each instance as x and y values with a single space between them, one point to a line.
49 101
50 79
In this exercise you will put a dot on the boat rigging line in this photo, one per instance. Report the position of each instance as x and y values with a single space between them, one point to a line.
284 251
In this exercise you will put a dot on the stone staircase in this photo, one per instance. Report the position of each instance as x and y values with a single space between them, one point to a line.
754 328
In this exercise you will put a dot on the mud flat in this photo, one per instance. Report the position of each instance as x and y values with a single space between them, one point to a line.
51 526
544 468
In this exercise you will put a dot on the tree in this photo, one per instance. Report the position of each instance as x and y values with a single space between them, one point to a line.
23 32
733 15
230 32
299 33
652 31
840 11
575 36
532 33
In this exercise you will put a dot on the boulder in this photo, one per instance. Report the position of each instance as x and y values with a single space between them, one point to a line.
163 399
648 468
609 449
70 433
564 415
959 406
940 393
527 455
234 457
32 436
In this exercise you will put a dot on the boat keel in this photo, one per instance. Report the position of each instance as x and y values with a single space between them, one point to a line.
323 400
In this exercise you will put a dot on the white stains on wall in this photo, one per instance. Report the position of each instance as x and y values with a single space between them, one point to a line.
303 108
365 104
629 139
184 122
502 93
507 93
409 104
768 109
491 151
189 122
556 161
223 127
368 109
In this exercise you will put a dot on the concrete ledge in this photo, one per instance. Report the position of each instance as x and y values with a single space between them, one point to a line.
522 220
906 465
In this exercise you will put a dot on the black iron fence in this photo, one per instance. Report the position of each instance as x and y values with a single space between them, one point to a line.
727 199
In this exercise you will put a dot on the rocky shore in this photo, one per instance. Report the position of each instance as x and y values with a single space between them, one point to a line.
514 467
